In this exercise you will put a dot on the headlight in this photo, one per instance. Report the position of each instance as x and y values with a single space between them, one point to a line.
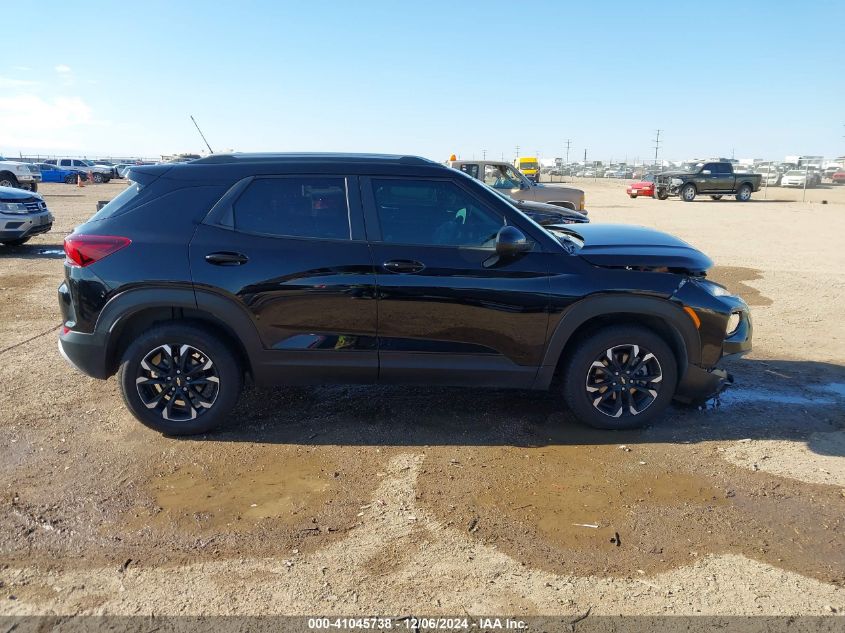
12 207
733 323
713 288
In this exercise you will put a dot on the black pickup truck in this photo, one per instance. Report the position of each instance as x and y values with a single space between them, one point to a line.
715 179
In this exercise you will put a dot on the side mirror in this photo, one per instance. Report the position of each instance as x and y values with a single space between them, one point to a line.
706 172
510 242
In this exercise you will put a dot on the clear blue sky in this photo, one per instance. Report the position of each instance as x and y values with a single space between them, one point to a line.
761 78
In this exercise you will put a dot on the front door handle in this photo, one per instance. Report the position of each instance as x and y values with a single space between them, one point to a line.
226 258
403 266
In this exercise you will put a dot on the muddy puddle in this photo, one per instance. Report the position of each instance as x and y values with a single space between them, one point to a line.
734 278
268 488
602 509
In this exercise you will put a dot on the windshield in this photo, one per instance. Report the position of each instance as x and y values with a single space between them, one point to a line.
795 172
691 166
87 163
528 165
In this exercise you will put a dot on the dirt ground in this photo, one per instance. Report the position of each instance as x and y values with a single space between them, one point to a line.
393 500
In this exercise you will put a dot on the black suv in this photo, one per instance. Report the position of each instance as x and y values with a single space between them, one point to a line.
331 268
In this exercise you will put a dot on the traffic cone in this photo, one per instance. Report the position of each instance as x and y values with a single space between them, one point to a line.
79 180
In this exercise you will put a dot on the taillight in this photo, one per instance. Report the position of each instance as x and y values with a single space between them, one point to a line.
82 250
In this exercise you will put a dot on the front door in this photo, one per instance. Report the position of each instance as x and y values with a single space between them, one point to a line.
290 251
507 180
449 311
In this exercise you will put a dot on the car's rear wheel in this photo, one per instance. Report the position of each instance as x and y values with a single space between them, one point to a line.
180 379
688 193
17 242
620 378
744 193
717 197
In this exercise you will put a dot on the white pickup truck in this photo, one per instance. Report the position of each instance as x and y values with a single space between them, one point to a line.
101 173
20 175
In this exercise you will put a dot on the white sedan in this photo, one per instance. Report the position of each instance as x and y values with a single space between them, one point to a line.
795 178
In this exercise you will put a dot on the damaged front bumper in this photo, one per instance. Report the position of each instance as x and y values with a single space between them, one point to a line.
700 385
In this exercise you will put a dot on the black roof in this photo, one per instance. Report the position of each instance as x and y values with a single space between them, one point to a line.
315 157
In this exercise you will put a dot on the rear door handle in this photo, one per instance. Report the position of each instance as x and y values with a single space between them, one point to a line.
403 266
226 258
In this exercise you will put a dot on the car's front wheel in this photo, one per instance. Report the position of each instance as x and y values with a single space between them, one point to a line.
180 379
8 181
620 378
688 193
98 178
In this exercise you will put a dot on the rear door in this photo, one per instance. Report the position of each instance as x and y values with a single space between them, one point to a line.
290 252
724 180
450 311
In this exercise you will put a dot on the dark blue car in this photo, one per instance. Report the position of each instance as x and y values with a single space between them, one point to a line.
51 173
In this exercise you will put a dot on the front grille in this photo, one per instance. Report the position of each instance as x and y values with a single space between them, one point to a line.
35 206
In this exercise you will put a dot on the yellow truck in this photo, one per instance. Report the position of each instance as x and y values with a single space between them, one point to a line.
528 165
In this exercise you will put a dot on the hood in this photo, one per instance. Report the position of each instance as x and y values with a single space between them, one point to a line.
11 194
624 246
543 213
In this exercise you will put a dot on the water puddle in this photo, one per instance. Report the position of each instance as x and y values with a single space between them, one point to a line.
285 489
741 396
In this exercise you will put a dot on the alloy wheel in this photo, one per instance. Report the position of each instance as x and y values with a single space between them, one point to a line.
178 381
624 380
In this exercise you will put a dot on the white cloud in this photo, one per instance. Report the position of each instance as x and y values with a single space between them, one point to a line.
31 121
63 68
9 82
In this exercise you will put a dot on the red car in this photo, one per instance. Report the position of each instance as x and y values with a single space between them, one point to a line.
838 177
644 187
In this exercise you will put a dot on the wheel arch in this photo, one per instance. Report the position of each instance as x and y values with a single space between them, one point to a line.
135 311
664 318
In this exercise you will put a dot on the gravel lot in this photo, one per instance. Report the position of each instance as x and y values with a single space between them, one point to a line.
388 500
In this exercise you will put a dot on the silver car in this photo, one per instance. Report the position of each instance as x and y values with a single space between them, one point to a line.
22 215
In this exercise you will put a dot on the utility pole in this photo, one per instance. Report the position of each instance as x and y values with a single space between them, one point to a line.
656 145
484 154
517 153
568 143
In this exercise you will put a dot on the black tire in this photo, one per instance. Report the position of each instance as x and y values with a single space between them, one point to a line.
202 346
17 242
633 195
743 194
579 370
8 180
98 177
718 197
662 194
688 192
70 179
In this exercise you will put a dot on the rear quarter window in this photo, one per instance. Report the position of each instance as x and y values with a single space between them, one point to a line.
120 203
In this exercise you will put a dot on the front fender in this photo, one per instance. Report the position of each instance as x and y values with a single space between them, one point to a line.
679 328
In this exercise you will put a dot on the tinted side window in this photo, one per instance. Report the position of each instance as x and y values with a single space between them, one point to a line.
435 213
723 168
306 206
65 162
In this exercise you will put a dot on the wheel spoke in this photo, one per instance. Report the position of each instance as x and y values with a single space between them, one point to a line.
179 381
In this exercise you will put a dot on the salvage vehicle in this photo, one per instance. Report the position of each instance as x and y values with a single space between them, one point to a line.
545 214
797 178
23 214
503 177
16 174
99 173
359 268
51 173
715 178
838 177
644 187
